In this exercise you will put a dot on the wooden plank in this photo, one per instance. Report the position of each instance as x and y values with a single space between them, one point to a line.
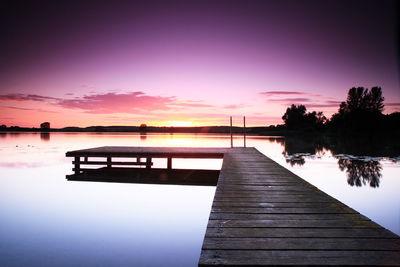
339 223
301 232
258 204
277 216
305 243
271 210
122 163
298 258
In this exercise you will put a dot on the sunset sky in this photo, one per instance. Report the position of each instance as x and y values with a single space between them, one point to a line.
191 62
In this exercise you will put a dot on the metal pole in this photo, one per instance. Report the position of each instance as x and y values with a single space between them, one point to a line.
244 130
231 134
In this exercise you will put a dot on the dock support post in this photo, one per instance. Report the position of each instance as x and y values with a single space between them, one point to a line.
77 168
108 162
244 131
231 134
169 163
148 162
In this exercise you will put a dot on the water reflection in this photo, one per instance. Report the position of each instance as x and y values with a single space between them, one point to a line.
45 136
148 176
143 136
360 172
47 220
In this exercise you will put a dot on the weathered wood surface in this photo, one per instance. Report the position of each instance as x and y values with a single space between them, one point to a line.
154 152
264 215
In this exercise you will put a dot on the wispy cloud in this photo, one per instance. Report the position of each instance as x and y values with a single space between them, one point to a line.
234 106
299 97
26 97
290 100
134 102
85 85
30 109
325 104
294 93
392 104
274 93
110 103
192 103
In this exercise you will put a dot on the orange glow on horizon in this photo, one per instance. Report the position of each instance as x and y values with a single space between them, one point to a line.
178 123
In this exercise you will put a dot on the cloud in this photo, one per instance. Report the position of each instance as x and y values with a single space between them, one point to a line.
290 100
308 99
85 85
25 97
392 104
193 104
294 93
31 109
134 102
274 93
234 106
325 104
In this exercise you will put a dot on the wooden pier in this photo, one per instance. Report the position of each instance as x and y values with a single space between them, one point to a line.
264 215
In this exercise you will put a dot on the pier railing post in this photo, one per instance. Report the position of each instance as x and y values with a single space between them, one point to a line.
244 131
231 133
108 162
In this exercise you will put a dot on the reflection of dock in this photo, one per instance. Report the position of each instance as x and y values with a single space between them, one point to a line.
263 214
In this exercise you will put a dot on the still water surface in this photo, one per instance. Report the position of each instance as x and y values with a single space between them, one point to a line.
46 220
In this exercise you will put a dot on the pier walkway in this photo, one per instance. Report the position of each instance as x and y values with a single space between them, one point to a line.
264 215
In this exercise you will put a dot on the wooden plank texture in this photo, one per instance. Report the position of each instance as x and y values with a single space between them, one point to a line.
264 215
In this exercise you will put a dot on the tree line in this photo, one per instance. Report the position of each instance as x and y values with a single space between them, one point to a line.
360 113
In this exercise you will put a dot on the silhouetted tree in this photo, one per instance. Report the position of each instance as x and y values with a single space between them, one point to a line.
143 127
361 111
296 118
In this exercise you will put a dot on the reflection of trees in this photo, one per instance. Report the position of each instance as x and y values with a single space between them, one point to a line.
143 136
361 172
45 136
295 160
296 148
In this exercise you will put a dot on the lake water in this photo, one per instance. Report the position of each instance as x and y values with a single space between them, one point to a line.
46 220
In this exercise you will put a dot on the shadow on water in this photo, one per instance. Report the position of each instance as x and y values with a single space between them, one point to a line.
358 157
149 176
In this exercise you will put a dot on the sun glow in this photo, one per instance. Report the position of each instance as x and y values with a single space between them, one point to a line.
180 123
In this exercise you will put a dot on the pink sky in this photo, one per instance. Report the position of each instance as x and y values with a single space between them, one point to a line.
192 63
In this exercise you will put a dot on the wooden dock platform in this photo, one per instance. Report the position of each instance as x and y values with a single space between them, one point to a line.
264 215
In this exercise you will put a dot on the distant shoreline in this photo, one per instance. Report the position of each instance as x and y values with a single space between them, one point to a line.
271 130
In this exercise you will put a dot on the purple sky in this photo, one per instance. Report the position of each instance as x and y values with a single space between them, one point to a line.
191 63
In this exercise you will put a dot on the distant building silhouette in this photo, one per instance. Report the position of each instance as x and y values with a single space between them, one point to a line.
45 125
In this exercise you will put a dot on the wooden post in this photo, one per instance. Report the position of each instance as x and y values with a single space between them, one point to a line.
148 162
77 165
108 162
244 130
169 163
231 134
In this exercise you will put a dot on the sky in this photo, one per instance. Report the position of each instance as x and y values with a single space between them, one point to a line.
191 63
